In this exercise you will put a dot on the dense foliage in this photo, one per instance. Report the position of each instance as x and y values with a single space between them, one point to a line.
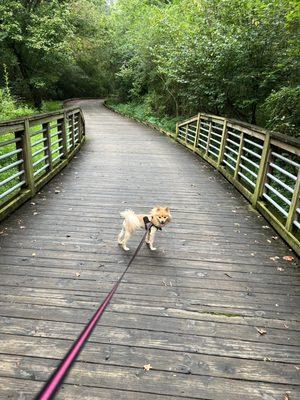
238 58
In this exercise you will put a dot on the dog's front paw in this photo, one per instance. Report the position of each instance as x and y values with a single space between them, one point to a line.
126 248
152 248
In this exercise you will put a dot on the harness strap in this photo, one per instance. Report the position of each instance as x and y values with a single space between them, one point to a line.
147 220
58 375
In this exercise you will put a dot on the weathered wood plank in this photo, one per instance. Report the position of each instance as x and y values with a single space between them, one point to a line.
153 339
172 361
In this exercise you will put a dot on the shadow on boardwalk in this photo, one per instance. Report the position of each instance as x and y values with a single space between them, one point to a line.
214 311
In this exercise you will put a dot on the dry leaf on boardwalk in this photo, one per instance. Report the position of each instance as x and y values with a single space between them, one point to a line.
147 367
77 274
274 258
286 397
288 258
261 331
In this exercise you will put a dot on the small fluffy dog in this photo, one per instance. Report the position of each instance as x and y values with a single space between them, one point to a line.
159 217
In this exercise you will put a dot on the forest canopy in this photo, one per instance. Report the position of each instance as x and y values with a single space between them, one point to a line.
235 58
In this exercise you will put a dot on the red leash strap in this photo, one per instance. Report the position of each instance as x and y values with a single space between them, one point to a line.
59 374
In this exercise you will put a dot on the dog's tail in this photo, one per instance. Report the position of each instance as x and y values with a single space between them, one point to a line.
131 219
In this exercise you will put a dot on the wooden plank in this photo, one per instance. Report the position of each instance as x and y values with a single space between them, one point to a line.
135 379
222 329
142 338
10 386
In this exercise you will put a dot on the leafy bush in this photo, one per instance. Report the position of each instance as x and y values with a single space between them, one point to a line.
282 108
48 106
143 112
10 109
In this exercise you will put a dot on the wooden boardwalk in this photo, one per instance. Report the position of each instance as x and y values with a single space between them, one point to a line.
214 311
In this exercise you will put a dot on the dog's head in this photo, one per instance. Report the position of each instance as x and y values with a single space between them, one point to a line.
160 216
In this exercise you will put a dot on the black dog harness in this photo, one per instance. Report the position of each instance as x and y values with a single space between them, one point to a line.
147 221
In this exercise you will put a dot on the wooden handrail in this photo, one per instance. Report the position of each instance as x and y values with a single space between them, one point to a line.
33 150
264 166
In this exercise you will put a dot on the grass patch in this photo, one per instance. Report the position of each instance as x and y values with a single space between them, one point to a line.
142 112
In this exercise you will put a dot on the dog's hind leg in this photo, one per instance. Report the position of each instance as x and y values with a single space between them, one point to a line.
120 236
125 240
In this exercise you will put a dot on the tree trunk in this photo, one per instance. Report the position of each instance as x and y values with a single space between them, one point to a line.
253 114
36 98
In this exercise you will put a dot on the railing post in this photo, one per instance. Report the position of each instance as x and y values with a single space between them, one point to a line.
186 132
262 170
294 204
27 157
240 152
197 132
80 126
64 135
222 144
72 131
46 135
208 138
176 131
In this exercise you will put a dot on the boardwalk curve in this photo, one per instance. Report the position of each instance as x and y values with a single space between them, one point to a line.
215 310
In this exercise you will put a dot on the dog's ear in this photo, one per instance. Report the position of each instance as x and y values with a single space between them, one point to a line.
157 208
167 209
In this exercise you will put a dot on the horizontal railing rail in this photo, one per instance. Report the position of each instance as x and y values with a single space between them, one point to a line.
264 166
33 150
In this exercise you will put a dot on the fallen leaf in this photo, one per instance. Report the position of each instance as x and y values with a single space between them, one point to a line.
147 367
274 237
274 258
286 326
266 227
288 258
22 227
261 331
77 274
33 254
269 241
280 269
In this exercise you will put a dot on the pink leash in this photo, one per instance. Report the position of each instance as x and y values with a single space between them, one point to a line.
59 374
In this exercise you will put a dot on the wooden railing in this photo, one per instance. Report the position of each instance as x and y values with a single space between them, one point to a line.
33 150
263 166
